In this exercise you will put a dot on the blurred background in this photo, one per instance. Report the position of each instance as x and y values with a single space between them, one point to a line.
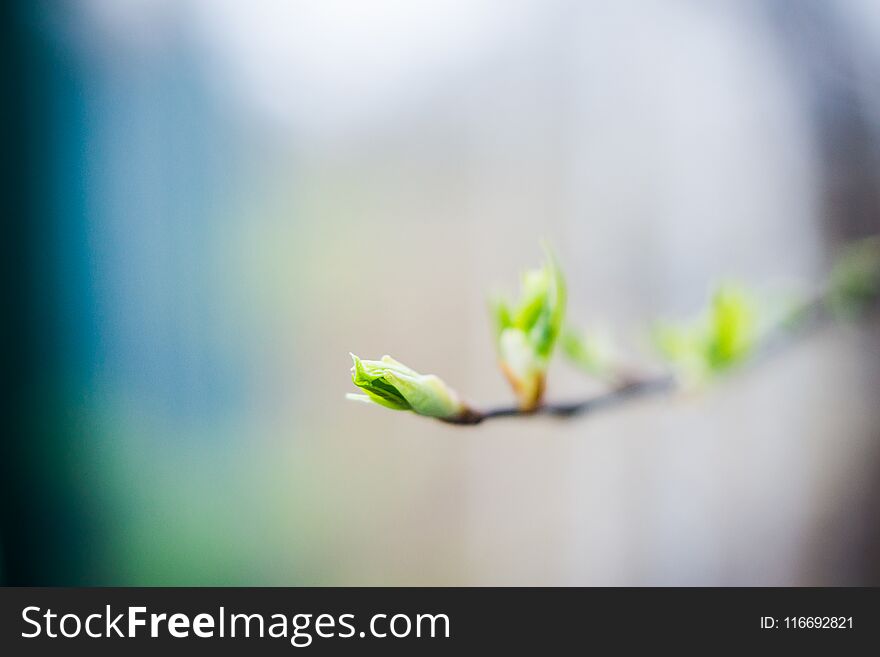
214 201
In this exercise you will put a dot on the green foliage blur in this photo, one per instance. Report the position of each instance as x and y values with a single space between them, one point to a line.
723 336
855 278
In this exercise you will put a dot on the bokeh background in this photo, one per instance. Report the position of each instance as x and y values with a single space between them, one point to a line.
214 201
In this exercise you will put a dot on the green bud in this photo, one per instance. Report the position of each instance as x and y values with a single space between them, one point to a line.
526 332
724 336
524 369
393 385
732 331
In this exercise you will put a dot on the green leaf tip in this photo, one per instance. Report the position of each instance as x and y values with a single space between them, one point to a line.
392 384
733 327
526 331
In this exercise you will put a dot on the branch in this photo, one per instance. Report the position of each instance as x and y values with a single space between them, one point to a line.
623 393
723 339
809 317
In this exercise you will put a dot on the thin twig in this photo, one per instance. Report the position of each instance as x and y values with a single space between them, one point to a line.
627 392
810 316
